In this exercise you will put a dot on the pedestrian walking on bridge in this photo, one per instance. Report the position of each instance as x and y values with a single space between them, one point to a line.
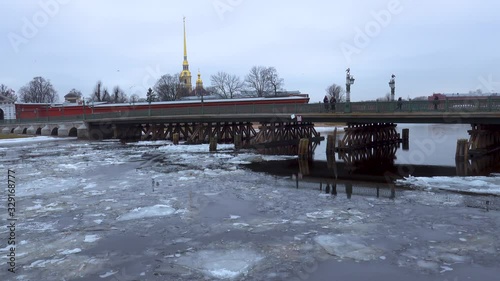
333 101
325 101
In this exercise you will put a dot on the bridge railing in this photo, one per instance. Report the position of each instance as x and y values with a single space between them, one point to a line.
447 105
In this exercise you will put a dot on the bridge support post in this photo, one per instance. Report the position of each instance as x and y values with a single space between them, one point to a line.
82 132
330 143
484 139
303 149
462 152
406 139
175 138
237 141
213 144
6 130
62 131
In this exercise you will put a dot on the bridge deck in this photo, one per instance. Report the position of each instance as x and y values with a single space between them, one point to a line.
399 117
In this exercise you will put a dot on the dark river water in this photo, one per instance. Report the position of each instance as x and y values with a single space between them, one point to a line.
155 211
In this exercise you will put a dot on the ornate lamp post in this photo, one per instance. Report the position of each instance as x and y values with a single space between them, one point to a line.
83 106
349 80
392 84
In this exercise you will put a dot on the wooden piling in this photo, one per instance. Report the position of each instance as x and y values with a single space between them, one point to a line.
237 141
330 144
406 134
303 149
175 138
304 167
462 152
213 144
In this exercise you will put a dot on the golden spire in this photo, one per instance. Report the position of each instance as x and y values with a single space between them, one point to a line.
185 45
185 77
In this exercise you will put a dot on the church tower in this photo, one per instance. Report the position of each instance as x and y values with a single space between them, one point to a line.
185 77
199 83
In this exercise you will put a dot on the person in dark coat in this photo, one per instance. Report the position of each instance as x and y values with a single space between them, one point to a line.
333 101
325 101
400 103
436 102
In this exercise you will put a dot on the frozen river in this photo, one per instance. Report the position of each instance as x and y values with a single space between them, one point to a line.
154 211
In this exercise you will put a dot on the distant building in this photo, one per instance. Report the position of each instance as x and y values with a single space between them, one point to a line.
7 110
461 96
253 94
72 98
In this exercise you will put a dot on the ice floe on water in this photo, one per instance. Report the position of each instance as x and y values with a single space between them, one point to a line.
222 264
478 185
91 238
347 246
86 204
28 140
147 212
69 252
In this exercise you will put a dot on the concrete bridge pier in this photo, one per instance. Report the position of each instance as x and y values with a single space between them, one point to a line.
82 132
46 130
63 131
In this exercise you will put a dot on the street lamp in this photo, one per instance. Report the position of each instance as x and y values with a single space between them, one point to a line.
392 84
349 80
83 105
149 109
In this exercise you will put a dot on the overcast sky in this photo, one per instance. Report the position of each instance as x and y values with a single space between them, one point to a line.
431 46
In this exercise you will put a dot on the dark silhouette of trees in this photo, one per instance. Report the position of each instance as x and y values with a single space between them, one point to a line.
151 96
169 88
273 78
38 90
7 94
264 80
226 85
118 96
336 91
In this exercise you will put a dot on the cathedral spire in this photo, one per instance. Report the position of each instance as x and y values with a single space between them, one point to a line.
185 77
185 45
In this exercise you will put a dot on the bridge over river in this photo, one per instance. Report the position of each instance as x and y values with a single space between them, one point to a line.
367 123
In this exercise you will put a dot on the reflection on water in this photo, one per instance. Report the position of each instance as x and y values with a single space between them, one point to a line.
479 166
431 144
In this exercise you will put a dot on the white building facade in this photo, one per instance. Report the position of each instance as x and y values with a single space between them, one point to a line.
7 111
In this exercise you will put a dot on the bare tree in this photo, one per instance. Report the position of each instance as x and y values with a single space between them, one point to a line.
387 97
106 96
38 90
97 95
134 98
7 94
226 85
257 80
274 80
336 91
119 95
169 88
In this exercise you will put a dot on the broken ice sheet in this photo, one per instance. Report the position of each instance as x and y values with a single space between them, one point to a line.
347 246
222 264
